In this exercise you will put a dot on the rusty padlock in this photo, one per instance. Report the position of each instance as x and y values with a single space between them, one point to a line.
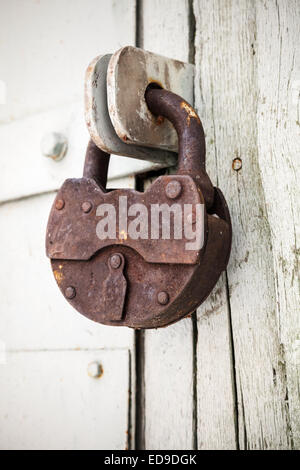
146 281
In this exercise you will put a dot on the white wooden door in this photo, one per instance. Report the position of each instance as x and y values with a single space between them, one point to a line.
48 399
227 377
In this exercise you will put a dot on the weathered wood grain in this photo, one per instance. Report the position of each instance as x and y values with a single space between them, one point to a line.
49 401
45 86
38 329
26 171
229 84
169 402
278 125
215 375
216 398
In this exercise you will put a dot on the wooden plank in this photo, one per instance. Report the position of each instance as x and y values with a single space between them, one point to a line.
57 40
34 105
49 401
34 316
25 171
216 399
169 403
227 90
278 62
215 381
169 387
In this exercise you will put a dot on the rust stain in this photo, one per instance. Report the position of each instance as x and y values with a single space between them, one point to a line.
58 276
154 83
191 113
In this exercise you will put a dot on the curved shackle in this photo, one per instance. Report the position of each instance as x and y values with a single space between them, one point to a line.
96 164
191 140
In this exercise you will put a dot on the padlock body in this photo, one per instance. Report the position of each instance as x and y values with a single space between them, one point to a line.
152 268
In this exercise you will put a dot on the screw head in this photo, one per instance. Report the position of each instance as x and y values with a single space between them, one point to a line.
59 204
236 164
173 189
54 145
70 292
86 206
163 298
95 369
115 261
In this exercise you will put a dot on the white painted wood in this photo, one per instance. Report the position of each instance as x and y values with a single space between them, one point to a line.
215 381
278 125
216 407
240 48
53 43
25 171
127 182
45 86
169 387
46 46
48 400
169 402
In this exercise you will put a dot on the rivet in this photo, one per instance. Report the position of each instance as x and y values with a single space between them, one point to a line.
236 164
86 206
54 145
115 261
163 298
95 369
173 189
59 204
70 292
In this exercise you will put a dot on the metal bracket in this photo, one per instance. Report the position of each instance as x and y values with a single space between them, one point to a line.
116 112
99 123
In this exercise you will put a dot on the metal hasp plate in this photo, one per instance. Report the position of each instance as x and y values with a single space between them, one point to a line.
130 71
99 123
141 283
116 112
